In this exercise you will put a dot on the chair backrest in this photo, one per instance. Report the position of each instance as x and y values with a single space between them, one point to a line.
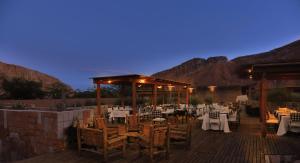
295 117
214 115
172 120
156 114
99 123
90 137
159 135
132 122
146 131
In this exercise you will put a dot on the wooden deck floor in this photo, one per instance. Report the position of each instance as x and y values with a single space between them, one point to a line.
242 145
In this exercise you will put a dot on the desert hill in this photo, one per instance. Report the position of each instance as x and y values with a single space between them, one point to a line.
222 72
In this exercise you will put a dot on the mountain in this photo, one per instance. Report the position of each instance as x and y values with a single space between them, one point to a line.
9 71
222 72
287 53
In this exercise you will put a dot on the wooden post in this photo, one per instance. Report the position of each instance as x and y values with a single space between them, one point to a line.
249 92
122 96
170 96
178 97
163 97
133 93
187 97
262 100
99 99
154 96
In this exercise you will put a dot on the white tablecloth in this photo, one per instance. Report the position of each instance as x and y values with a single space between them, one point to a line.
241 98
159 119
168 111
224 123
118 114
283 125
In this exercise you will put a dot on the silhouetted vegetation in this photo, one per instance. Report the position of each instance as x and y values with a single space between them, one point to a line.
279 96
58 91
208 100
18 88
106 92
195 101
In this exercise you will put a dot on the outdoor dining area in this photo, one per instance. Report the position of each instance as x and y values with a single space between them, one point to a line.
149 129
167 128
286 119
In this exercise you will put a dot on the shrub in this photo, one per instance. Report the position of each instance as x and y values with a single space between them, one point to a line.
60 106
90 103
19 106
279 96
208 100
195 101
78 104
18 88
1 106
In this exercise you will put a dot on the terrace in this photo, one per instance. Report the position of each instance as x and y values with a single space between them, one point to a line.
245 139
242 145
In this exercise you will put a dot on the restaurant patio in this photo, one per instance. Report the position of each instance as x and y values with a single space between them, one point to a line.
177 132
242 145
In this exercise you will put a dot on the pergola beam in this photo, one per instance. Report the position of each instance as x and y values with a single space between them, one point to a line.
98 91
134 80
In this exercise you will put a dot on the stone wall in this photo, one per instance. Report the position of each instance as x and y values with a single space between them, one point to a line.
27 133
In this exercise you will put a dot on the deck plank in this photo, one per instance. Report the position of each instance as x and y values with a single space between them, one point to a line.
241 145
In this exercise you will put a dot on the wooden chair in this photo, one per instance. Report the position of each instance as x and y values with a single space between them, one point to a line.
181 133
156 114
271 121
214 119
295 122
111 138
91 140
132 123
154 140
233 119
172 120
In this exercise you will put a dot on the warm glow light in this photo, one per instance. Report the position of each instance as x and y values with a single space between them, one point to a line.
184 86
191 90
139 85
159 87
212 88
109 81
170 87
250 77
142 81
249 70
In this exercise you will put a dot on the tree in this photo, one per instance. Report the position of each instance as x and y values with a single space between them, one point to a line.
106 92
19 88
279 96
58 91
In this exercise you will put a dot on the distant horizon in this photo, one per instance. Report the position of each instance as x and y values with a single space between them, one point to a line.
73 40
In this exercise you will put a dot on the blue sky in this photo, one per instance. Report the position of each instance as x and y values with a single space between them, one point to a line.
77 39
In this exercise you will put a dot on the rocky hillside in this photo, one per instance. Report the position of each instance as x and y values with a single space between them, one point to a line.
9 71
287 53
222 72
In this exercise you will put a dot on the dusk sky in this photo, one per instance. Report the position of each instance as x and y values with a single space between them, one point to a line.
74 40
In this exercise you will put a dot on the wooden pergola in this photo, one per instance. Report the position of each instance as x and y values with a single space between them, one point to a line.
136 81
272 71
